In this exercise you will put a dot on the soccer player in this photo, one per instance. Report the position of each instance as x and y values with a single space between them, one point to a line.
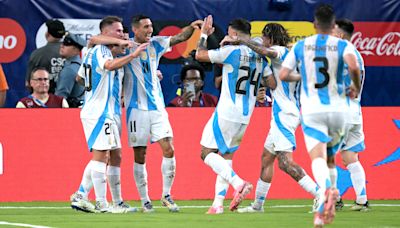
285 118
354 137
323 100
100 117
242 71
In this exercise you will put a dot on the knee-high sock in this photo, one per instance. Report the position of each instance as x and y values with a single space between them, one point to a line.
220 167
140 175
261 193
99 180
357 175
333 175
308 184
114 181
168 170
221 188
86 183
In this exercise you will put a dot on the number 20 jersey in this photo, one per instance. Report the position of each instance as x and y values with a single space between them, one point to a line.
241 76
321 64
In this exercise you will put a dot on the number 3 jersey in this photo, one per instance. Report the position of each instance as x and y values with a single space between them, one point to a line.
241 76
142 88
321 65
103 87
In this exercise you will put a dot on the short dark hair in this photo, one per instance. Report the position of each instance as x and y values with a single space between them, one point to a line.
192 66
346 25
125 29
325 16
241 25
109 20
136 19
37 69
276 33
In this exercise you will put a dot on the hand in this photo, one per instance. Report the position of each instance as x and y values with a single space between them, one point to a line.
261 95
126 43
159 75
196 24
139 49
234 40
352 92
187 99
206 27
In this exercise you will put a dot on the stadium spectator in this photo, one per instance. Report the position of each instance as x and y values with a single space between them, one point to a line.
3 87
40 97
192 76
67 86
324 106
48 56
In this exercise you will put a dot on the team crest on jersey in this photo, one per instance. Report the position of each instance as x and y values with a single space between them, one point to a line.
152 54
143 55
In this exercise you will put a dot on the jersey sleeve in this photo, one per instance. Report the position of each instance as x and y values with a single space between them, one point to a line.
103 54
221 54
161 44
290 60
267 71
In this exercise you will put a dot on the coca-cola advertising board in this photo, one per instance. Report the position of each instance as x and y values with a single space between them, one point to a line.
378 42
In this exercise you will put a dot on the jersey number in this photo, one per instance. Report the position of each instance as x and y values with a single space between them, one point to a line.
145 67
107 130
248 74
323 70
88 76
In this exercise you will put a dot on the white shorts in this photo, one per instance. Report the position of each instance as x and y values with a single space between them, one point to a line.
327 127
222 134
103 133
354 138
281 135
145 124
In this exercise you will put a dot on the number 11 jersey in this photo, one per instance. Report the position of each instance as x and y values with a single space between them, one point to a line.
321 64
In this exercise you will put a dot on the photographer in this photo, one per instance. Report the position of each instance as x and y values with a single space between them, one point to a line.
192 78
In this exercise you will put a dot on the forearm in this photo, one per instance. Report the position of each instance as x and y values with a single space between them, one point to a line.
355 77
103 40
202 51
183 36
259 48
118 62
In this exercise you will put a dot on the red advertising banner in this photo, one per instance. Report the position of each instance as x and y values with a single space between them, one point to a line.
378 42
45 153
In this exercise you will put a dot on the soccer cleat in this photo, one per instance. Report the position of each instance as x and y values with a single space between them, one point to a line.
318 220
339 205
239 195
79 203
148 207
329 213
168 202
215 210
360 207
122 208
251 209
102 207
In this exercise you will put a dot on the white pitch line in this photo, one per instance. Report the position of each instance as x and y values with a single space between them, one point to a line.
22 224
198 206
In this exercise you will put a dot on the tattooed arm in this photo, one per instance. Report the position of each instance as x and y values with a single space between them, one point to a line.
206 29
186 33
258 48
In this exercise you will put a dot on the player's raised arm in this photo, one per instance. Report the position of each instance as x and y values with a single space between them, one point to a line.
108 40
120 62
186 33
206 30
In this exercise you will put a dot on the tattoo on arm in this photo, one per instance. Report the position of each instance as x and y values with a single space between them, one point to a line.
183 36
202 44
259 48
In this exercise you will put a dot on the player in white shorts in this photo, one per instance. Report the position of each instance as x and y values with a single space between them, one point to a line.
100 117
285 118
241 75
323 99
354 137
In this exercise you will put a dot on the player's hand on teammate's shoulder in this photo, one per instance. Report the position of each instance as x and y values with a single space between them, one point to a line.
126 43
229 40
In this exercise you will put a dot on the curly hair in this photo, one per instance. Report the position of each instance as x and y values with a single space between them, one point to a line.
277 34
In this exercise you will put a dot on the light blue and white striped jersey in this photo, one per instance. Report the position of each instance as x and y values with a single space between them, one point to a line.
355 116
102 98
286 95
241 75
142 88
321 63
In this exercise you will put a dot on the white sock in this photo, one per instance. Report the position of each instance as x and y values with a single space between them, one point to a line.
140 175
357 175
261 193
168 167
308 184
321 174
99 180
114 181
221 188
220 167
333 175
86 183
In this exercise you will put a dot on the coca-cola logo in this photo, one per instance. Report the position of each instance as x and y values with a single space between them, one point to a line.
386 45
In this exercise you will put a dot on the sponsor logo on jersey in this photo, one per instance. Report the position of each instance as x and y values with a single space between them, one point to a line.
12 40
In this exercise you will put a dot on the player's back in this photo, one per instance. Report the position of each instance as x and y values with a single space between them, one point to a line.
142 88
241 74
102 86
321 67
